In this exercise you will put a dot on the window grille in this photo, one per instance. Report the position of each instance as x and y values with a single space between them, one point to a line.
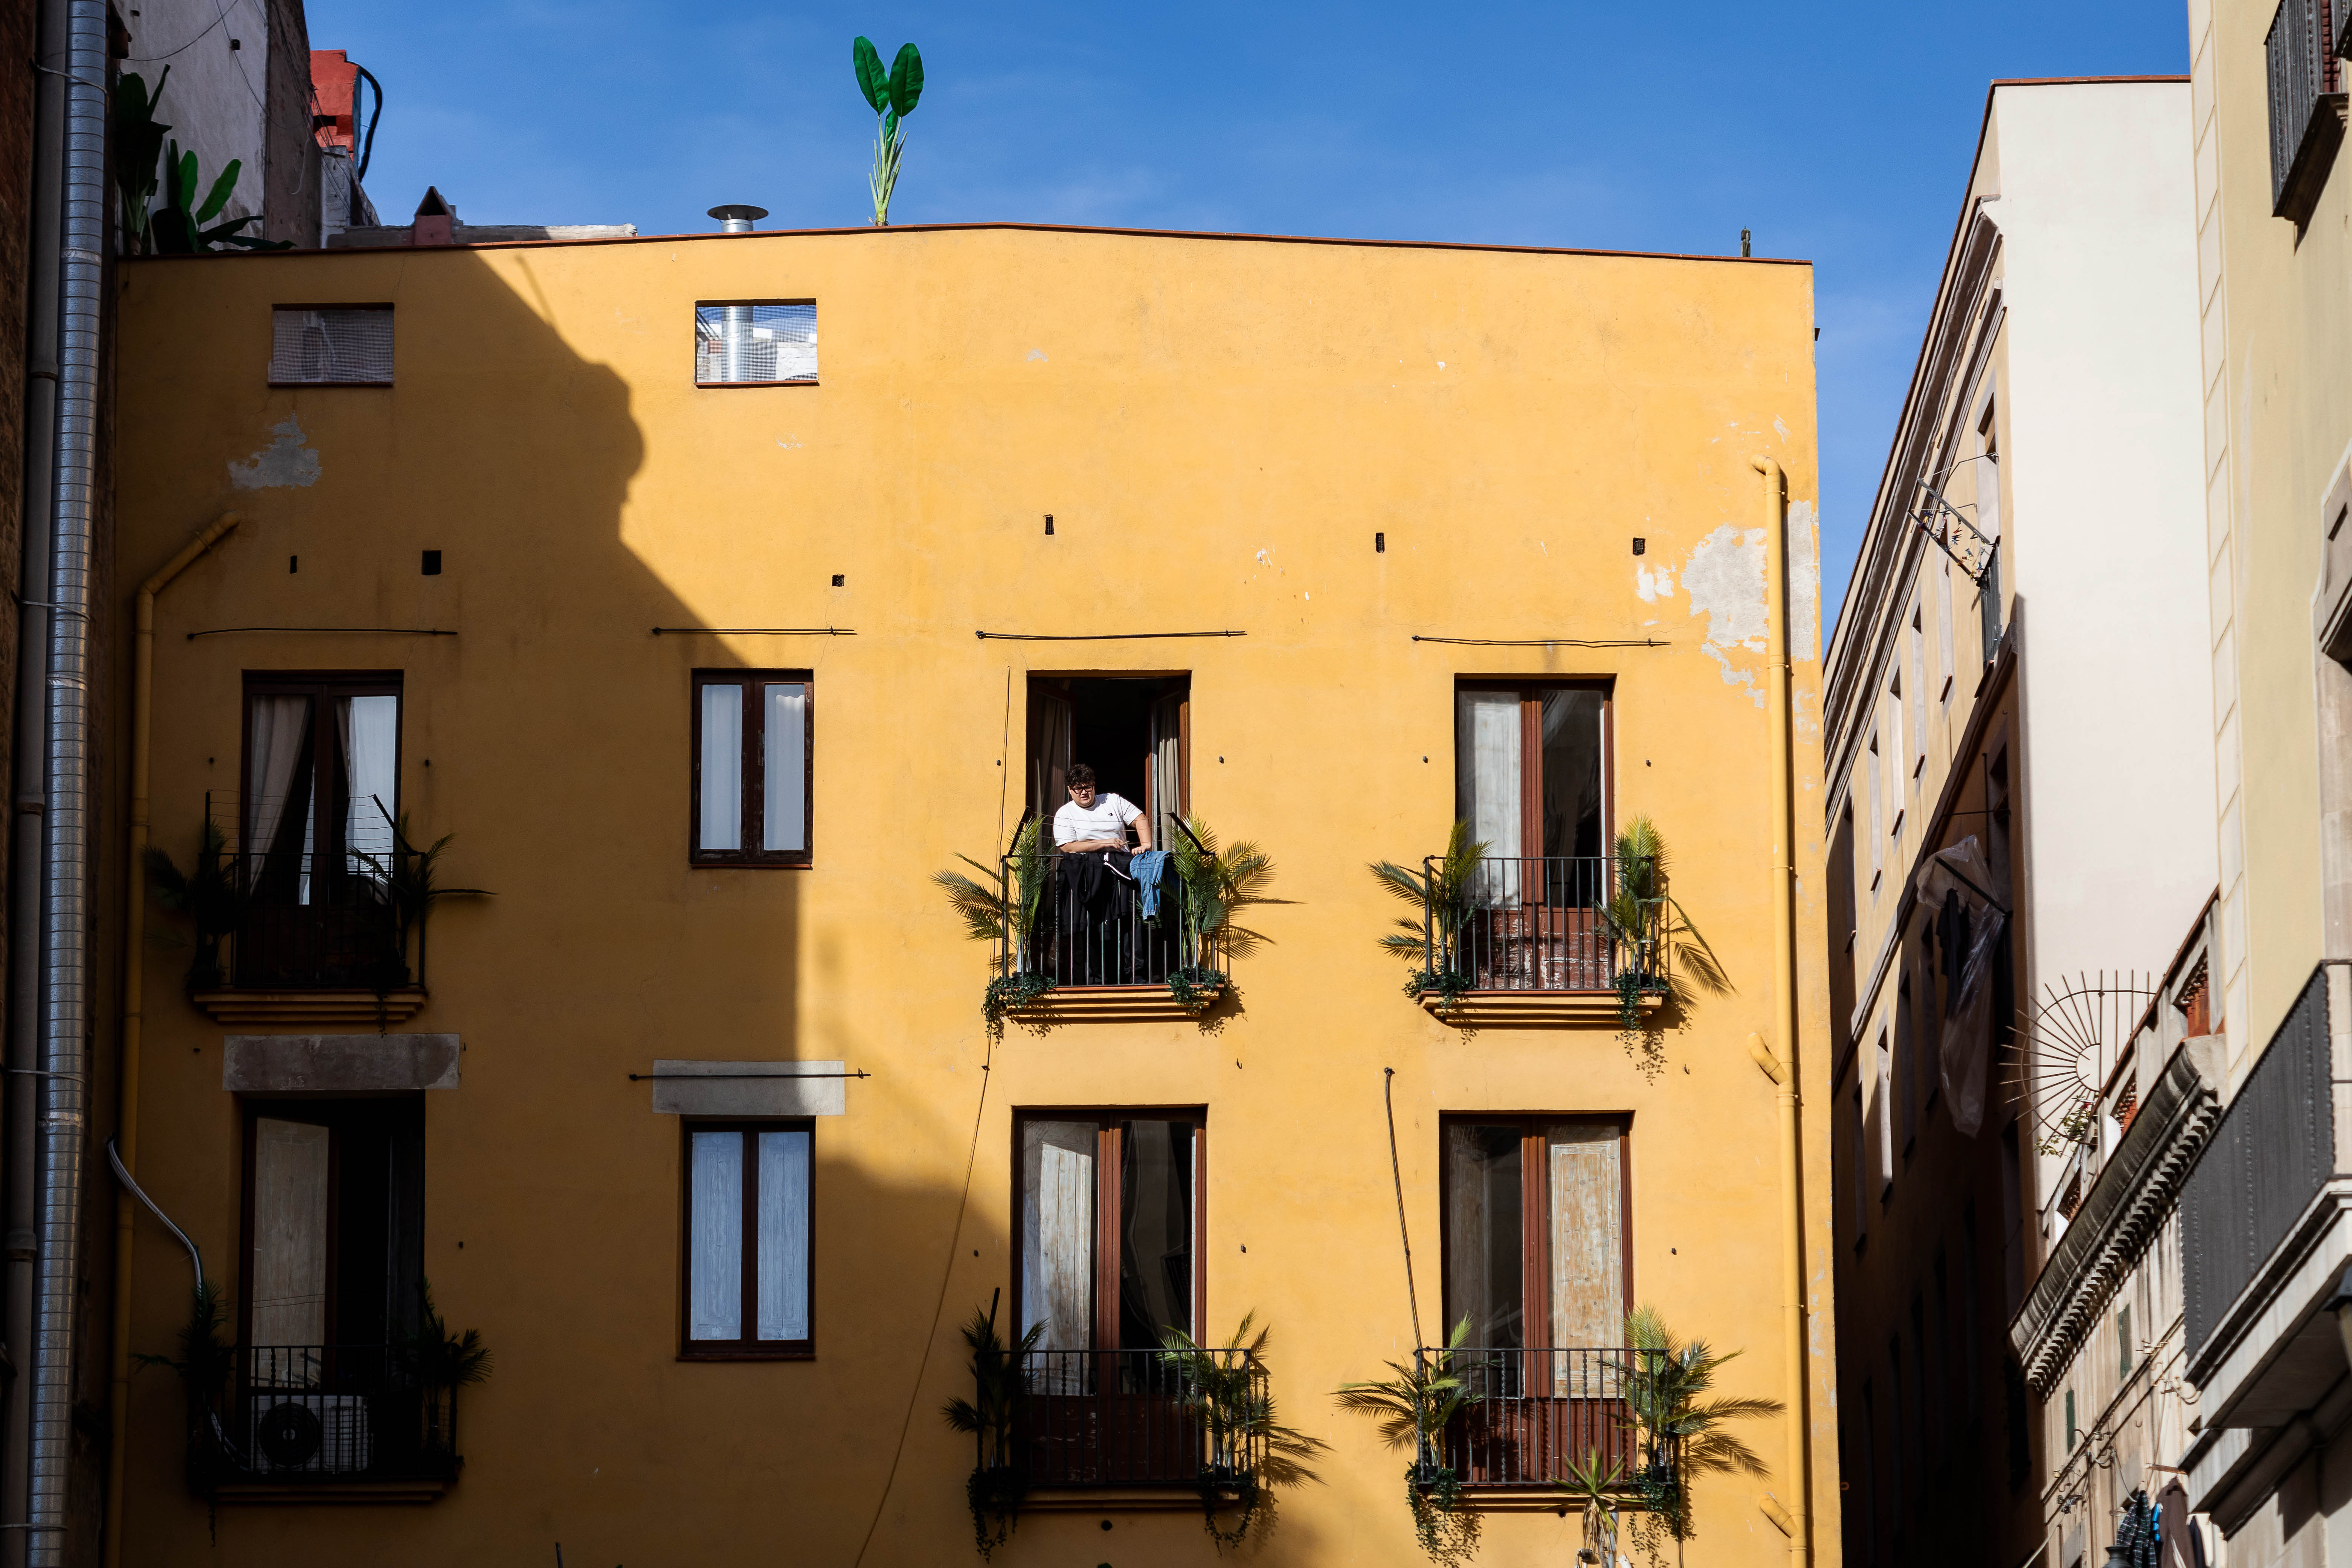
2306 103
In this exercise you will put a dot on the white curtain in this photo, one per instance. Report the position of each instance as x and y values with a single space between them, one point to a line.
722 767
371 730
784 766
1486 782
1058 1252
1588 1250
281 726
289 1235
1167 769
715 1281
784 1235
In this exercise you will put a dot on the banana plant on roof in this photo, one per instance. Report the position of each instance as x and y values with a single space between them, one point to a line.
892 97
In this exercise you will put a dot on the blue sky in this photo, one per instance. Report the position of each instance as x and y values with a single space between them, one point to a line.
1841 134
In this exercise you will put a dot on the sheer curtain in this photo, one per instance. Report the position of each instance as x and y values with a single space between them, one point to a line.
1058 1252
281 728
370 730
1167 769
784 1235
722 767
1483 1249
289 1234
784 766
715 1285
1486 782
1588 1246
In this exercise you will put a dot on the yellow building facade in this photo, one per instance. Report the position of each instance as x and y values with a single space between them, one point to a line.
1323 544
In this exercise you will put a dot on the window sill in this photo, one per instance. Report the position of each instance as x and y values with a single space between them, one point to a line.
1170 1496
748 1355
805 863
1116 1003
1536 1008
721 385
351 1006
384 385
331 1491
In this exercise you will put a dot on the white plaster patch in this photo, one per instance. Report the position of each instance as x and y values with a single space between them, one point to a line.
285 461
789 444
1804 582
1037 355
1725 580
1781 426
1654 585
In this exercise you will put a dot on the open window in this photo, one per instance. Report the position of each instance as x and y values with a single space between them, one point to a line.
315 829
334 1203
1531 767
1135 732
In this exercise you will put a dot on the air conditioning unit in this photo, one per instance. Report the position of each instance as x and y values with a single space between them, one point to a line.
311 1433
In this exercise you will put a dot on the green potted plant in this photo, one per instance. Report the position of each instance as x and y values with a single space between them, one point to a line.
1250 1453
1212 883
1433 943
1682 1428
892 97
441 1363
213 895
1414 1405
1656 947
1006 911
400 886
1000 1481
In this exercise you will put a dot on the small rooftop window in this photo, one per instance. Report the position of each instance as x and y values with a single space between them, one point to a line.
331 345
748 342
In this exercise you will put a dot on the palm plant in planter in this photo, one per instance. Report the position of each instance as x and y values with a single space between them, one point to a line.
990 907
213 895
1683 1430
1657 947
1227 1391
402 888
1433 945
1211 884
442 1363
1000 1481
205 1365
1414 1405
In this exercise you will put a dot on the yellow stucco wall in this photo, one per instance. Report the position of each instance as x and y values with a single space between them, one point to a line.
1219 427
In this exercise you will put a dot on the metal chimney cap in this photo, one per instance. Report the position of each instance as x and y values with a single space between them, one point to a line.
736 217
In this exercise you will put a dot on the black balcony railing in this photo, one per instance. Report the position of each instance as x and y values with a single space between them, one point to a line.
1078 920
300 918
322 1415
1542 923
1083 1418
1530 1416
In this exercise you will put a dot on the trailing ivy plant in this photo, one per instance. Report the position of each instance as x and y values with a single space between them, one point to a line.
892 97
1414 1405
999 1483
1443 895
1683 1431
1251 1452
988 908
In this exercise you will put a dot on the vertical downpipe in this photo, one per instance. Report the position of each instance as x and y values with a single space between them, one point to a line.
1784 1017
23 1088
65 902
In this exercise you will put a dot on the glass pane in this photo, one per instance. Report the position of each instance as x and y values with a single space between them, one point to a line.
1155 1228
754 342
1486 780
352 345
290 1234
1586 1189
1571 775
1057 1245
784 772
784 1235
1482 1251
371 742
715 1239
722 768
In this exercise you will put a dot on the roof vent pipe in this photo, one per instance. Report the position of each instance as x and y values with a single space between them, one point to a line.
737 219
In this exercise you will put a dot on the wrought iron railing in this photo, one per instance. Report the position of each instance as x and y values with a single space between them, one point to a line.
1129 1417
2306 85
322 1415
1542 923
298 918
1079 921
1530 1416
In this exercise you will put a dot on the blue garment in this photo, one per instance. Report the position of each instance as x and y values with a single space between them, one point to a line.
1147 868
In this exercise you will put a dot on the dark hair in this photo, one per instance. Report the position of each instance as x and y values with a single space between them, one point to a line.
1081 774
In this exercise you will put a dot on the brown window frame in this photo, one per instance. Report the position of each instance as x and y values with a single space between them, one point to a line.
1108 1238
747 1348
386 306
334 1112
1532 691
755 764
319 686
1535 1207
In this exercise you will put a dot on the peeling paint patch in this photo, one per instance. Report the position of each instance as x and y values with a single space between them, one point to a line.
1731 677
1725 580
789 444
1654 585
1804 581
1037 355
1781 426
285 461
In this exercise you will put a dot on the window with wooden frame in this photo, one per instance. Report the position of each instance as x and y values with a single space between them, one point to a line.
1107 1224
747 1245
1536 1229
335 1226
1531 766
753 764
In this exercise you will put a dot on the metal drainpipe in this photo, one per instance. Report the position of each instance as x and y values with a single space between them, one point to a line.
65 894
1784 1020
25 820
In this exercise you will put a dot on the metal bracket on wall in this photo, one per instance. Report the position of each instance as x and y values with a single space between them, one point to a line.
1955 535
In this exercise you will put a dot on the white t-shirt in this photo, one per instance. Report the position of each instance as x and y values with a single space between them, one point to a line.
1106 818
